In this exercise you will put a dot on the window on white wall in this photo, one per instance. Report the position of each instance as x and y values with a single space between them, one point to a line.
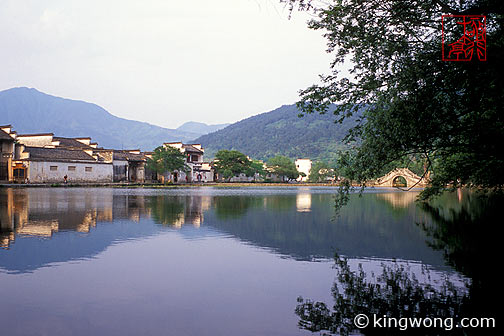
89 169
71 168
53 168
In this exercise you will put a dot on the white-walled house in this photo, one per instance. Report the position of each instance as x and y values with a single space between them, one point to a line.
199 171
51 165
129 165
7 145
303 166
80 159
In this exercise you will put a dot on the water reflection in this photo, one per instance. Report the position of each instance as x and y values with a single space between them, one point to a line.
303 202
398 199
390 300
463 226
39 213
299 225
176 211
119 261
468 234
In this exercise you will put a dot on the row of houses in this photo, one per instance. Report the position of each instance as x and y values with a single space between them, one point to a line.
46 158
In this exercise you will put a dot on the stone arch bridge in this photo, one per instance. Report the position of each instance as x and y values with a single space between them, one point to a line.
392 179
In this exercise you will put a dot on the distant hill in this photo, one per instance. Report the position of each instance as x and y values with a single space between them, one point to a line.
31 111
281 132
200 128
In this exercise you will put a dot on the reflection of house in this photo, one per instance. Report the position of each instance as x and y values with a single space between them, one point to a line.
35 212
39 213
303 202
6 218
199 171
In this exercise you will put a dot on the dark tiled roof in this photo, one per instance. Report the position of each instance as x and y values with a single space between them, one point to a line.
125 155
69 142
191 149
35 134
60 154
5 136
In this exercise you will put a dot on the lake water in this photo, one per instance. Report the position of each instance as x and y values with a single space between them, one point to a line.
199 261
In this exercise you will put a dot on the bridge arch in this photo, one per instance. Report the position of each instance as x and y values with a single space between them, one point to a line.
400 177
399 181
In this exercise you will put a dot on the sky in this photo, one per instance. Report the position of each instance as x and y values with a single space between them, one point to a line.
161 61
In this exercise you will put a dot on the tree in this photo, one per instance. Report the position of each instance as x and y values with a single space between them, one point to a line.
256 168
410 102
167 159
230 163
283 166
320 171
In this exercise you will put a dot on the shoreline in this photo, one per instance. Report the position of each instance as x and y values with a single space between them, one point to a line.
185 185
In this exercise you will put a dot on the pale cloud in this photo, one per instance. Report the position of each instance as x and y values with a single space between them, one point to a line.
164 62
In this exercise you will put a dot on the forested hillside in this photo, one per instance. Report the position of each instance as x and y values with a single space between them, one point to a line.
200 128
281 132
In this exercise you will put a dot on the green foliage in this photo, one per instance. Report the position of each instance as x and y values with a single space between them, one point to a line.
320 171
281 132
447 115
166 210
167 159
283 166
257 168
230 163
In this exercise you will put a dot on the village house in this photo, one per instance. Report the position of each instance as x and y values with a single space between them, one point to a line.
7 138
303 166
56 165
129 166
46 158
200 171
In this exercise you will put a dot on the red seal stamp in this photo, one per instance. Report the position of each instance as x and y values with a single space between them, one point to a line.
463 37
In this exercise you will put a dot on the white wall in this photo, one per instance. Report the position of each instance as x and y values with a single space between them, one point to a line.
40 172
303 166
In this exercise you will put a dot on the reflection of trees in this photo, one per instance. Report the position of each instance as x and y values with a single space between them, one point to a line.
467 235
396 293
281 202
365 227
167 210
178 210
231 207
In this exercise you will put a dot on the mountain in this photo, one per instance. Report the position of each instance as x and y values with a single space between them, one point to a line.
31 111
200 128
281 132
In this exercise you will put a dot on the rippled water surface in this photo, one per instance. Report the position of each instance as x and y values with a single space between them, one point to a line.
195 261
